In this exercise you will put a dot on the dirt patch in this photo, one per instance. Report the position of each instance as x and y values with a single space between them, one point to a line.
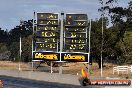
68 68
13 65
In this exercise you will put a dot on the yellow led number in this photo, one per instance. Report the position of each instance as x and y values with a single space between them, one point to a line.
50 40
74 46
81 23
73 35
51 22
78 41
47 34
69 20
52 16
41 22
51 46
41 15
75 29
41 45
49 16
81 46
50 28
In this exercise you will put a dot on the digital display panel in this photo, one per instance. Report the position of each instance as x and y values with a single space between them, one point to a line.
75 35
74 57
46 34
75 41
76 46
76 19
46 28
47 56
47 22
69 29
45 46
47 19
47 16
46 40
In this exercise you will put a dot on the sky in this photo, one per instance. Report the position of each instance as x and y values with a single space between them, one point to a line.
12 11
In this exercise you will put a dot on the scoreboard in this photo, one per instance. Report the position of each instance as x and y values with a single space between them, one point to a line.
46 35
46 40
75 33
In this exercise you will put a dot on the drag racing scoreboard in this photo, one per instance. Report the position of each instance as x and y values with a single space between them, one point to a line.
46 40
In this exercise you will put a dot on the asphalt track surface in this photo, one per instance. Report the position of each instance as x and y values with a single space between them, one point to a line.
11 82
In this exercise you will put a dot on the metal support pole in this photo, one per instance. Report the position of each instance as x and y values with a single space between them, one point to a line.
61 39
20 54
102 42
89 47
32 38
20 45
102 52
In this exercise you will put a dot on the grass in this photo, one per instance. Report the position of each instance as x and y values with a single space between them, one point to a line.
13 65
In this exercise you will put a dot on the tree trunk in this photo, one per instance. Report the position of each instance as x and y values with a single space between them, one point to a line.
99 63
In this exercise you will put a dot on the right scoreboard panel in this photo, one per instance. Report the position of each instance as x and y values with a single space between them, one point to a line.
75 33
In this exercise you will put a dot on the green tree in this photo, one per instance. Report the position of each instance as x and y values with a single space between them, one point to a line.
3 36
25 30
126 48
27 48
3 47
122 22
96 39
14 49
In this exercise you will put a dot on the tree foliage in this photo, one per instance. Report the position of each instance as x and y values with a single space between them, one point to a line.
27 48
109 41
121 18
25 30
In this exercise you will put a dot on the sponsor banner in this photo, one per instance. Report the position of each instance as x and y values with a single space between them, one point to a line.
104 82
61 57
46 56
74 57
121 82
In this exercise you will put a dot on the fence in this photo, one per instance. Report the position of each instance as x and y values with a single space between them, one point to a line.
119 69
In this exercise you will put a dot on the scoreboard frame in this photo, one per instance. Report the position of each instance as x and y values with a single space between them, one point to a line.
74 54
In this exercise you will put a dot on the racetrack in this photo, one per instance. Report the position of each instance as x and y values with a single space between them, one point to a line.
12 82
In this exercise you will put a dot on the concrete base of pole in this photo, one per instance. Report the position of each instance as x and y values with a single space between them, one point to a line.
19 66
51 69
32 65
60 69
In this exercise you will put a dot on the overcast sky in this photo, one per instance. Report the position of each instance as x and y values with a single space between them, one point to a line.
11 11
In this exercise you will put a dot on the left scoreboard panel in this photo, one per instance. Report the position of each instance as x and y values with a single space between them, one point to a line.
46 35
